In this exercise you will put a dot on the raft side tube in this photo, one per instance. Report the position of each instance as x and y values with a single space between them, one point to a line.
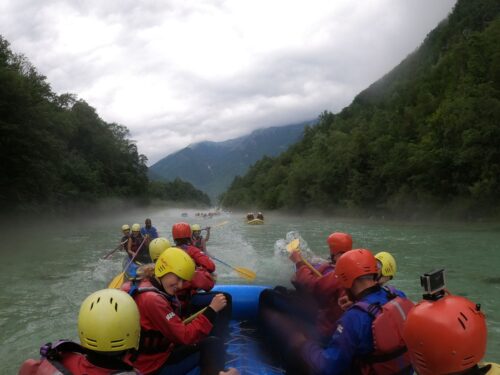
245 299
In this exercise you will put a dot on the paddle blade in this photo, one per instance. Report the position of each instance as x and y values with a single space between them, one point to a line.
294 245
117 282
245 273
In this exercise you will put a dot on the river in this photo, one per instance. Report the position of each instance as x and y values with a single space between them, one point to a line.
48 269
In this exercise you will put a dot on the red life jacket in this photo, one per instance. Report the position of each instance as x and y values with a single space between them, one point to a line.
66 358
152 341
390 355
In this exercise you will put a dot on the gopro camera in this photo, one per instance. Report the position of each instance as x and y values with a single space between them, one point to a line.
433 284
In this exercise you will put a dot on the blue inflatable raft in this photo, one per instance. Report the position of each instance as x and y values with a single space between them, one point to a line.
243 350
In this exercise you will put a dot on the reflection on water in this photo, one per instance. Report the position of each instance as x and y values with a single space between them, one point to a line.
46 271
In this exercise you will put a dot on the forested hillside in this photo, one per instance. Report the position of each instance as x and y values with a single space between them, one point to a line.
56 151
424 137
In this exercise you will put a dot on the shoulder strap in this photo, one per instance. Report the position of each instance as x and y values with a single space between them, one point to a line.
391 291
53 353
372 309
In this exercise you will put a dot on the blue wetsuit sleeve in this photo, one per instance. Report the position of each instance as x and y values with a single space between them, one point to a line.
155 232
353 337
143 231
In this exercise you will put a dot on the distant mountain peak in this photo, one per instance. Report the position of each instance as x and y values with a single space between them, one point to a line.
211 166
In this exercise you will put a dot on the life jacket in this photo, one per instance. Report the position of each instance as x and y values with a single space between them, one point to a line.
152 341
390 355
197 242
64 358
143 257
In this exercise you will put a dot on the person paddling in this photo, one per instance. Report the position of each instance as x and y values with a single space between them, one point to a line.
148 230
108 326
368 335
125 236
168 346
203 280
197 239
137 242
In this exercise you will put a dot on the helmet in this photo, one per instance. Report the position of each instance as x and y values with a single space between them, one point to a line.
445 336
181 230
353 264
387 262
158 246
339 243
109 321
176 261
136 228
125 227
195 227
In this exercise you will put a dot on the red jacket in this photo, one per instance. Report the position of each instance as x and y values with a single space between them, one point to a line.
200 258
158 316
326 291
305 279
76 363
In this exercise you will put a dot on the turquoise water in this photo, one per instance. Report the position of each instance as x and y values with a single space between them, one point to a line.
47 270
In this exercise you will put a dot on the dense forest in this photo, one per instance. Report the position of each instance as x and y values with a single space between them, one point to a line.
425 137
57 153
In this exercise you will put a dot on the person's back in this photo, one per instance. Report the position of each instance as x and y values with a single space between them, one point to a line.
108 326
363 340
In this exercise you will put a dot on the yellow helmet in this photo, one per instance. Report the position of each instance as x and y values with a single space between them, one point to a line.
387 262
125 227
195 227
177 261
109 321
158 246
136 227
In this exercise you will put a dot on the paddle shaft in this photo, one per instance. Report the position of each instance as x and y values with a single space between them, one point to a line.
315 271
113 251
194 316
135 254
221 261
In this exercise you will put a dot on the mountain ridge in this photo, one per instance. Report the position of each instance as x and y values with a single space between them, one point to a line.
211 166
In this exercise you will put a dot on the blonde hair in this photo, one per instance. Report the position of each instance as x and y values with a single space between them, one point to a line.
146 271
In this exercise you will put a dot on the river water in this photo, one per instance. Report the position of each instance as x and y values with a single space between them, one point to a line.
47 270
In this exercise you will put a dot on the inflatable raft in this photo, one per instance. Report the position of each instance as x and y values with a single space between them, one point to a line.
243 349
255 222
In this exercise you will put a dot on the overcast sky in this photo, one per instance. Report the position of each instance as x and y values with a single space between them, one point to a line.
178 72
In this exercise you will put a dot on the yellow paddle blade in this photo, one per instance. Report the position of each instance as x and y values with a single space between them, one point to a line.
117 282
220 224
292 246
245 273
189 319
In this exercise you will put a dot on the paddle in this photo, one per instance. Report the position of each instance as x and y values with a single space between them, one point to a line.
117 282
241 271
295 246
220 224
108 255
189 319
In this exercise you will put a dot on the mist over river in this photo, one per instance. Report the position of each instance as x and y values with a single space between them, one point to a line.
48 269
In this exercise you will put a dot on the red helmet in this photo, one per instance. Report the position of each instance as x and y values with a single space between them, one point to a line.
445 336
339 243
181 230
353 264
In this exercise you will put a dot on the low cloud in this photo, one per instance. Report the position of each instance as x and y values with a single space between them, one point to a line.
182 72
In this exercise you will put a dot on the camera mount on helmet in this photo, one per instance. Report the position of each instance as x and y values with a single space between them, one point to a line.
433 284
